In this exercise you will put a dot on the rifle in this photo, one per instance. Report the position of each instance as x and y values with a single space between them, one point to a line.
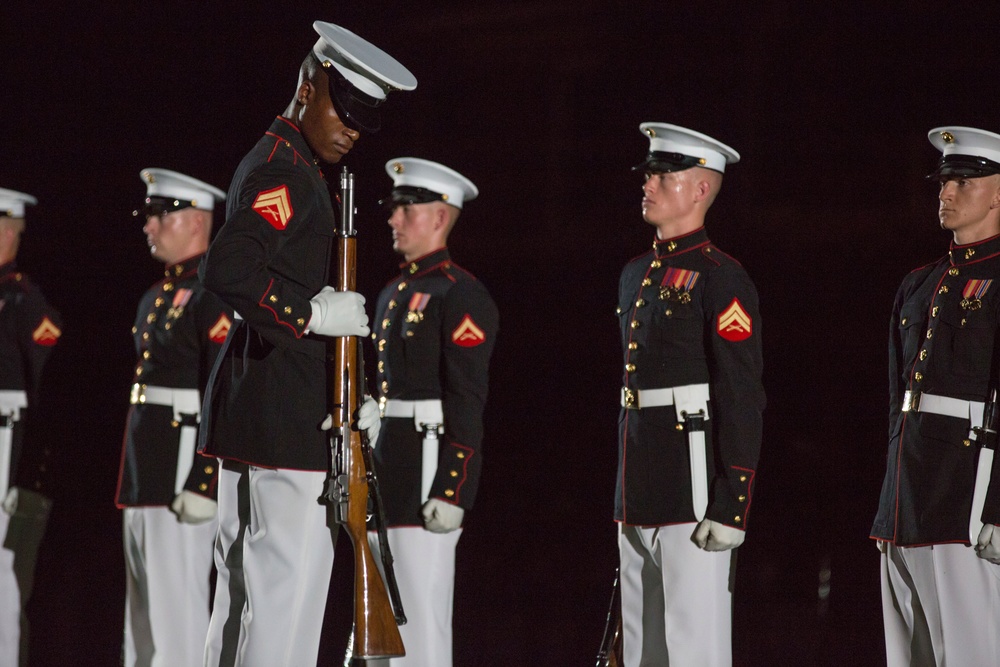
352 477
610 653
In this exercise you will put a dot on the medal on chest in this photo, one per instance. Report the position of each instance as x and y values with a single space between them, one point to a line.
181 297
677 284
415 311
972 295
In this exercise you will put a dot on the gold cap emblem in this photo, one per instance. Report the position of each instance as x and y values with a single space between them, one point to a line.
148 177
651 132
397 167
948 137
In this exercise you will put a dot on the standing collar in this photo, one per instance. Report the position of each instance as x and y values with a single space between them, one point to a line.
678 244
422 264
184 267
284 129
973 252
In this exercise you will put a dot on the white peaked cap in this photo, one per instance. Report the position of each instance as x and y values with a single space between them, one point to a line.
415 172
966 141
367 67
12 203
667 138
173 185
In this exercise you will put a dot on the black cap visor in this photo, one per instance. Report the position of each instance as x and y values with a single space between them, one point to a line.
156 207
659 162
404 195
964 166
358 110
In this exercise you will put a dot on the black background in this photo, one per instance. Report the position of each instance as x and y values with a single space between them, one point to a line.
539 103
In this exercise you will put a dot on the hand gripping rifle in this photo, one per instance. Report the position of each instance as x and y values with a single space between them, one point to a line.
610 653
352 476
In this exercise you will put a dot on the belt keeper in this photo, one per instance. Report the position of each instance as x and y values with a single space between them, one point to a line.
694 421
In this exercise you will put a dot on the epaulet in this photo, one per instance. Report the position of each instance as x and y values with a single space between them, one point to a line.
19 280
451 269
712 253
928 267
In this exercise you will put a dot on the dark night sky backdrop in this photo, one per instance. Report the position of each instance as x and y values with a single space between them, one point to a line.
539 103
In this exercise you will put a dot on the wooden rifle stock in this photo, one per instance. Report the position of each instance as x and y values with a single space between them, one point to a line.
375 631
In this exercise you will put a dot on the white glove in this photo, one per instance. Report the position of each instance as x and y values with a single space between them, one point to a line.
714 536
882 546
367 417
192 508
338 313
441 517
988 544
10 502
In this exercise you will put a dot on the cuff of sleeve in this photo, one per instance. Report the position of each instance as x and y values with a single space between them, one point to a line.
203 478
453 471
288 308
731 498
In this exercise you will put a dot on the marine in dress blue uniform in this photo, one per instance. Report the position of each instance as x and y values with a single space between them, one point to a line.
29 330
941 493
268 393
435 329
166 489
690 425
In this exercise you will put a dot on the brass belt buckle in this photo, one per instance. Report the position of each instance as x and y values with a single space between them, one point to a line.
911 401
631 399
138 394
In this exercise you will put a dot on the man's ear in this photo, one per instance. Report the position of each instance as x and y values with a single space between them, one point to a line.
305 92
702 189
440 217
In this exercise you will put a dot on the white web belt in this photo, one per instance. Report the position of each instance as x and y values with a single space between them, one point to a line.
183 402
12 401
689 400
915 401
425 414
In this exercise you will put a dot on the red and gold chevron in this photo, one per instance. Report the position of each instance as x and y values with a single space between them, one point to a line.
734 323
46 333
219 330
275 206
468 333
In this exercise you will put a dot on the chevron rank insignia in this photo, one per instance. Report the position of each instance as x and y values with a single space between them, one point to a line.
46 333
275 206
468 333
734 323
219 330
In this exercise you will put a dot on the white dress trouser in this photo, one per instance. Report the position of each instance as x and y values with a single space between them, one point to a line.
168 565
274 555
676 599
10 601
940 606
424 563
